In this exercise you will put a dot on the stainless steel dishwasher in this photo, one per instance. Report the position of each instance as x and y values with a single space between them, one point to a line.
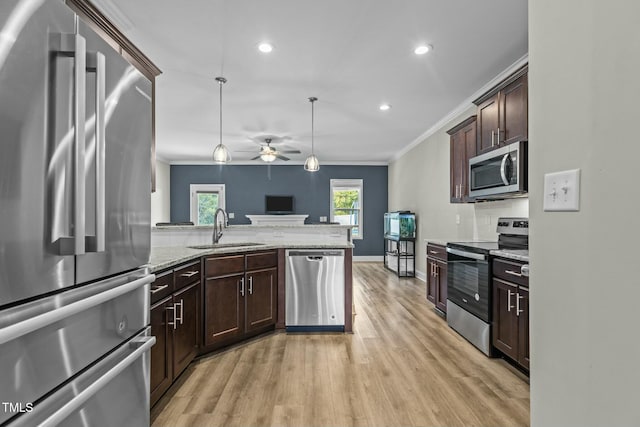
314 290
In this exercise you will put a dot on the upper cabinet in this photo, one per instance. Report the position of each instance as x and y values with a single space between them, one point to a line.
114 37
463 147
502 116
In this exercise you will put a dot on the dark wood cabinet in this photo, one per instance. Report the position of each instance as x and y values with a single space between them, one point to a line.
240 296
224 309
511 311
523 328
186 336
502 115
505 323
161 375
437 276
462 147
175 322
261 299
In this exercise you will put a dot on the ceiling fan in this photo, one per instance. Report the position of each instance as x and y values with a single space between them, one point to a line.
269 154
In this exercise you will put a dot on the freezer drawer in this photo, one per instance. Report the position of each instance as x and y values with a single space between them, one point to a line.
314 290
46 342
113 392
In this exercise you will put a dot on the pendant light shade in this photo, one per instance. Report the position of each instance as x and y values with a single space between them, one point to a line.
221 153
312 164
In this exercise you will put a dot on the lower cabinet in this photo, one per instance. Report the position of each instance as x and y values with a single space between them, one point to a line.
437 276
240 296
511 312
175 322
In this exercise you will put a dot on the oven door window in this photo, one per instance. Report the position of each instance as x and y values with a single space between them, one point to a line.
468 285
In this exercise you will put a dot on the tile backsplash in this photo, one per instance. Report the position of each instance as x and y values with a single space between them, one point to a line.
486 216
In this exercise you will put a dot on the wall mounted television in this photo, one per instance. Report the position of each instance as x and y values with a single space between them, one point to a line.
278 205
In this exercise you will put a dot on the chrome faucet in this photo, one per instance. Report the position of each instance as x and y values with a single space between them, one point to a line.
217 229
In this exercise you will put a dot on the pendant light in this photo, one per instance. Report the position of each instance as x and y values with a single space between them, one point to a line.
312 164
221 153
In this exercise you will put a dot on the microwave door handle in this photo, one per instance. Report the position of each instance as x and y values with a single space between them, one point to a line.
503 169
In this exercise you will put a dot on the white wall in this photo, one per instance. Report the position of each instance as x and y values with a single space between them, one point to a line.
160 200
419 181
584 89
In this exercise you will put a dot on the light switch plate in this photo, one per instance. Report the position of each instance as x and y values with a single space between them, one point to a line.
232 215
562 191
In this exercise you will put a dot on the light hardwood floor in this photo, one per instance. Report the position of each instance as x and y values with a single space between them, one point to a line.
402 366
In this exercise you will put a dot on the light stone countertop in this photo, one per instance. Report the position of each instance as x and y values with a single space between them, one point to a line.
438 241
514 254
162 258
247 226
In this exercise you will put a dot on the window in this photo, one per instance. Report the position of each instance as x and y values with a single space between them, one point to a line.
346 204
205 199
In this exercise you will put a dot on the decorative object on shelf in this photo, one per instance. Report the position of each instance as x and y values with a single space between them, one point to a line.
221 153
312 164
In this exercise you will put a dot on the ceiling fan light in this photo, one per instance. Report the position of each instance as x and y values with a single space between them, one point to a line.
268 157
312 164
221 154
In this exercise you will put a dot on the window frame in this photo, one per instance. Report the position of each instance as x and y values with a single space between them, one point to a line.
357 184
194 189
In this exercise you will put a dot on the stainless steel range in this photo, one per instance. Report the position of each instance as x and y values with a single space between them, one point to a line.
469 281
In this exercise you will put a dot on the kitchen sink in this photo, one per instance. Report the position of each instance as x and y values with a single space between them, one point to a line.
226 245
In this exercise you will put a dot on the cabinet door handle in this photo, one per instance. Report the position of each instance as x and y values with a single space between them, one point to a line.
498 137
518 298
435 270
509 299
175 319
181 311
189 273
513 273
250 285
242 286
157 289
493 137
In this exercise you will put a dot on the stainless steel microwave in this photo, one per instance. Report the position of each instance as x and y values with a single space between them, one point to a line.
500 173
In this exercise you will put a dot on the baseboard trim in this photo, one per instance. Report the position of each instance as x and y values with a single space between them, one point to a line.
421 275
368 258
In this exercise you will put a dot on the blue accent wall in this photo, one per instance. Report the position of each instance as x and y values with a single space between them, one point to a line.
246 186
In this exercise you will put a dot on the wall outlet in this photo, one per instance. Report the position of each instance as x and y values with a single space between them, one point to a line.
323 219
457 218
562 191
232 215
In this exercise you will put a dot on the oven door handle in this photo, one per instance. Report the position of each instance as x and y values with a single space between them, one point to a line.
465 254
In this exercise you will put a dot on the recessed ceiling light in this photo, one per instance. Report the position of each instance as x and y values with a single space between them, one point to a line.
265 47
422 49
384 107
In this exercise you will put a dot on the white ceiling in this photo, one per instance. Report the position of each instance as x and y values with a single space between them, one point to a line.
351 54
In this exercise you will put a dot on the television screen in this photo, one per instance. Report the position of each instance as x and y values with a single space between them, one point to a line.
279 204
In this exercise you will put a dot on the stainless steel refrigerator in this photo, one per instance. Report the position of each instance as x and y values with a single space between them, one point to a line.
75 132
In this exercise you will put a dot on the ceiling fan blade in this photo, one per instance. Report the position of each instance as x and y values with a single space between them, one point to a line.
256 158
282 157
289 151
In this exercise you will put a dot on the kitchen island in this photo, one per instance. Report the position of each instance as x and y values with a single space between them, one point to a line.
207 297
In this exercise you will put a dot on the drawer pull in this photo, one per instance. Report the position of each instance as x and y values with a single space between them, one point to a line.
189 273
157 289
513 273
433 252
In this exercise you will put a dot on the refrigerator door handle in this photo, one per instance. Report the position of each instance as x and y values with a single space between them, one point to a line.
24 327
143 345
96 64
74 45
